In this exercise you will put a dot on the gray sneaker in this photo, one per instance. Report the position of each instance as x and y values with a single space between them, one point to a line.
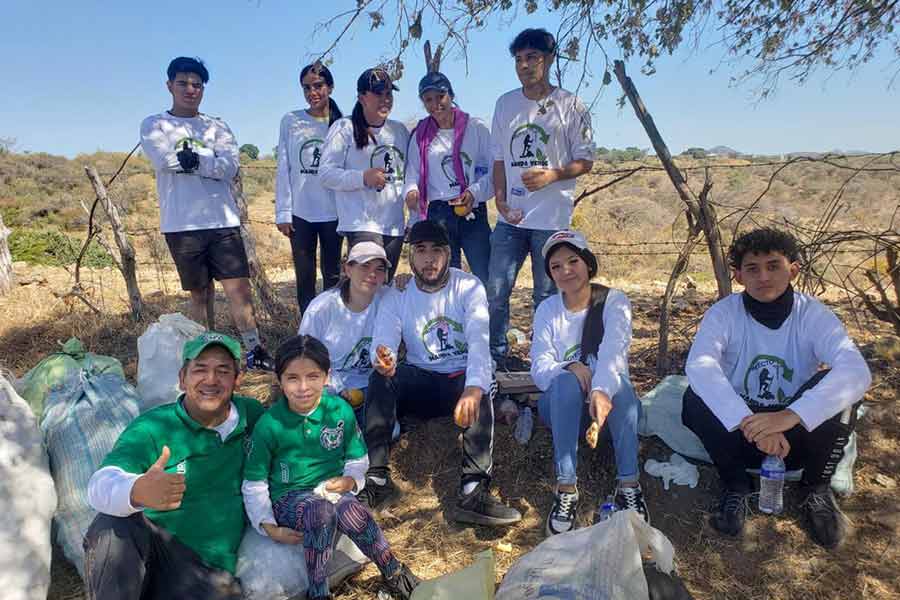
562 516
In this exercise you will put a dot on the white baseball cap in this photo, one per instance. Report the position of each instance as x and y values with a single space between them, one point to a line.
363 252
566 236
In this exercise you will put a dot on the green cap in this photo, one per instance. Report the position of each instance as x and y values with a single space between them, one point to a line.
193 348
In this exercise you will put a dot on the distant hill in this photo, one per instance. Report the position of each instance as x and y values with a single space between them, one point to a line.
722 151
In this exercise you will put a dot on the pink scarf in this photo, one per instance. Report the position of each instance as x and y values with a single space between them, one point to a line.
426 131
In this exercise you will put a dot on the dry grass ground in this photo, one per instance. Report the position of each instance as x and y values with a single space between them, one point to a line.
774 559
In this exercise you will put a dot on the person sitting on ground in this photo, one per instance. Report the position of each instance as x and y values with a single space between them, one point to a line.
757 389
168 495
442 317
343 318
196 157
579 359
307 448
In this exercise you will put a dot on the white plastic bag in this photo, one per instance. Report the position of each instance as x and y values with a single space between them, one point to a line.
676 470
272 571
602 562
475 582
28 499
160 356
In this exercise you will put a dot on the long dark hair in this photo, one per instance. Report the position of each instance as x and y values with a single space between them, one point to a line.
334 112
361 132
301 346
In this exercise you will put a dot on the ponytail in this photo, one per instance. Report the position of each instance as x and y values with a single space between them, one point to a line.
334 113
360 126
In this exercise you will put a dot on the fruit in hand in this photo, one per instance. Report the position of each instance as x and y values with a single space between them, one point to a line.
355 397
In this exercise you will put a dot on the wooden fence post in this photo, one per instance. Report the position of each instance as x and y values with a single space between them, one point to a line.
127 264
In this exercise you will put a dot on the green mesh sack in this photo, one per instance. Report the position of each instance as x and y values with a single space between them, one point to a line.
60 369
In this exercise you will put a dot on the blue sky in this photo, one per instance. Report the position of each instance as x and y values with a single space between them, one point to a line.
80 76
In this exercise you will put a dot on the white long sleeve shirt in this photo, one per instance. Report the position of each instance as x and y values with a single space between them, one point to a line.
735 360
258 503
346 334
298 187
445 331
556 342
360 208
477 160
201 199
109 488
529 134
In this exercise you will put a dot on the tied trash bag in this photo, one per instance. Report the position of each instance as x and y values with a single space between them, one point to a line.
602 562
272 571
28 499
57 369
81 423
160 358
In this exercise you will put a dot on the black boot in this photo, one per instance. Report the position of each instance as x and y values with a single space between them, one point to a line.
377 496
402 584
481 508
827 524
732 513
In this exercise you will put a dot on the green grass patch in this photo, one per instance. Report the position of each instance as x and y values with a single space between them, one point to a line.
54 248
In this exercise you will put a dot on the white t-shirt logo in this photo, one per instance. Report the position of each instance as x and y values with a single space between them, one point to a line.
310 155
439 338
390 159
763 380
527 146
447 168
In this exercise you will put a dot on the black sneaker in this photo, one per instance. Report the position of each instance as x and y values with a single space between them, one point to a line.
377 496
732 513
402 584
562 516
481 508
632 497
259 360
827 524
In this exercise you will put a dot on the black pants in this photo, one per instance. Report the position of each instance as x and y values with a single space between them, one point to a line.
132 558
303 247
427 395
392 245
817 452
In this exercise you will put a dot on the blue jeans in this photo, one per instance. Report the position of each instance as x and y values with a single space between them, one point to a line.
509 247
563 408
473 237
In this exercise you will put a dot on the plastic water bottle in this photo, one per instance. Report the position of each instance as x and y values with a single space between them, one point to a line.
771 485
524 425
605 511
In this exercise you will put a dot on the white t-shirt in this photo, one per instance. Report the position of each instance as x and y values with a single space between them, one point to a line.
346 334
360 208
552 133
735 359
556 342
475 154
201 199
445 331
298 188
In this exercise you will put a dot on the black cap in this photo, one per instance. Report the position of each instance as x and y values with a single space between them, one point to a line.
429 231
435 81
375 80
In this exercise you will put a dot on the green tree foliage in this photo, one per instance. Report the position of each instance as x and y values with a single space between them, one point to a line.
695 152
250 150
762 40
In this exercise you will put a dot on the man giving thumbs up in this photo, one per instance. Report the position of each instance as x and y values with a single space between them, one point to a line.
171 513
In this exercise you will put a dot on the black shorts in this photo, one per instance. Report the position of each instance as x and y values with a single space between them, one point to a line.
206 254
